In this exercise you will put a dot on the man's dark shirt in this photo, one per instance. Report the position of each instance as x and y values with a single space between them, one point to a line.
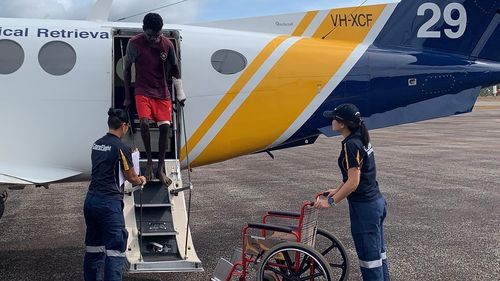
108 154
150 63
355 155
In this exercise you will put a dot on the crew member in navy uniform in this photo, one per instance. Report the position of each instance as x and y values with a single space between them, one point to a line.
106 237
152 52
367 206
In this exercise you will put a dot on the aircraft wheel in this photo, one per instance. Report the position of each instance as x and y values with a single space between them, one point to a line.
2 203
334 252
293 261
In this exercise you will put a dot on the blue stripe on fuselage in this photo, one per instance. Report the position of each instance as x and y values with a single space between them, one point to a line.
379 84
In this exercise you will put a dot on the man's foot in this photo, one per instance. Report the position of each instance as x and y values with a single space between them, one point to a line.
163 177
149 171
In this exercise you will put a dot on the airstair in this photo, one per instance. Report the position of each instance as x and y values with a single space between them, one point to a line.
156 216
157 222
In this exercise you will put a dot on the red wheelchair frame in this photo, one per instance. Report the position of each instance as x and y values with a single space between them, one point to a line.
300 237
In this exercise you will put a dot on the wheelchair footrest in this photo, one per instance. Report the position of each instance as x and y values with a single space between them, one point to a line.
222 270
237 255
224 267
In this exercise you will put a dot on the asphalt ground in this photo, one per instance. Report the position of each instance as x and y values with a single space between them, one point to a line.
441 180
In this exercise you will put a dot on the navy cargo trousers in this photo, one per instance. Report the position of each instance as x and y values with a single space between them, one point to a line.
367 219
105 240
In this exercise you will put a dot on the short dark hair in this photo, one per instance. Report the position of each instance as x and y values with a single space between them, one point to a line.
153 21
116 117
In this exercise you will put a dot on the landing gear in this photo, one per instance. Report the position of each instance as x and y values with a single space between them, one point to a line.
3 198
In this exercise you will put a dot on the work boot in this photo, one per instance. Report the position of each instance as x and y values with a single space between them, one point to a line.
149 171
162 176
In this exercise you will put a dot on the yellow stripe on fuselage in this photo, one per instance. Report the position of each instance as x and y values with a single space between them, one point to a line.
304 24
286 90
232 93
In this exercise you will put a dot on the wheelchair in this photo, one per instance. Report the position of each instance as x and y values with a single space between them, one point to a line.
291 247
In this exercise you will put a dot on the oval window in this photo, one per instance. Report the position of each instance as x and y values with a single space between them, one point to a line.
228 61
119 70
11 56
57 57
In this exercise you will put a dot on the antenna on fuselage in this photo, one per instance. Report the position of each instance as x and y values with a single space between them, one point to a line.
100 11
152 10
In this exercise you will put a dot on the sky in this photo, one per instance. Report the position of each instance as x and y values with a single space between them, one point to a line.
186 12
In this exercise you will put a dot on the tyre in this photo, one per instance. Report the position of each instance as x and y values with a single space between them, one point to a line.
293 261
334 253
2 206
269 276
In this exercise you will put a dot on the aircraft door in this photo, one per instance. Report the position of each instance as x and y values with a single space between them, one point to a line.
121 38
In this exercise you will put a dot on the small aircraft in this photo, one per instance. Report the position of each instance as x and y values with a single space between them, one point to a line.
253 84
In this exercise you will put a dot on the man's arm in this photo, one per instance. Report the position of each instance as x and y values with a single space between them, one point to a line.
127 72
126 79
172 60
176 76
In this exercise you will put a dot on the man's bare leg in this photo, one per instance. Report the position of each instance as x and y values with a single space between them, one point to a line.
146 139
162 149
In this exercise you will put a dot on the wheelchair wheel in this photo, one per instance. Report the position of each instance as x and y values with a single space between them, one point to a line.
334 252
270 276
293 261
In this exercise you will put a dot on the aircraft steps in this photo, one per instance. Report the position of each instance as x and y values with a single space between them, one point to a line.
161 245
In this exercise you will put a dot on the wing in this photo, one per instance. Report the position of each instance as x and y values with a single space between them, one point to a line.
21 174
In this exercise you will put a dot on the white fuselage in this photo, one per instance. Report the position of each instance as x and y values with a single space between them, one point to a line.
52 120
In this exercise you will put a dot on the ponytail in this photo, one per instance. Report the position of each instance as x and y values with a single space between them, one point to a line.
361 128
365 136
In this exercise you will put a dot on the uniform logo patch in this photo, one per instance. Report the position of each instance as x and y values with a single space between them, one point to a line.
163 56
102 148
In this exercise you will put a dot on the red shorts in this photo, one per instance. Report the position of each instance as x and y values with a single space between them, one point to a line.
154 109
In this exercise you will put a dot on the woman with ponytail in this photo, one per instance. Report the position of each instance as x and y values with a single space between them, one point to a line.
106 236
367 206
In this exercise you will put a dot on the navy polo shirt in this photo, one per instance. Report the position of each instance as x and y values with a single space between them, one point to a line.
108 154
355 155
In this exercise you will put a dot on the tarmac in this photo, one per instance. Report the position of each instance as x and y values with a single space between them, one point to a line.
440 178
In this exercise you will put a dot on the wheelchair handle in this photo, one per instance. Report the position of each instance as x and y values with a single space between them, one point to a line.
324 194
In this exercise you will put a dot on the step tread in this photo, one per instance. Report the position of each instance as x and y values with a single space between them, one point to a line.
156 227
137 205
152 193
152 234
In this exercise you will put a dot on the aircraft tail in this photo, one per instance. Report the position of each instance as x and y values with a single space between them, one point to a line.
464 27
321 24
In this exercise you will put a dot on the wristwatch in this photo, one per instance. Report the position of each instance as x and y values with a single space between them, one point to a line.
331 201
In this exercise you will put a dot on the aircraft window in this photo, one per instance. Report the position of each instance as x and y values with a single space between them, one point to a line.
119 70
228 61
57 57
11 56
